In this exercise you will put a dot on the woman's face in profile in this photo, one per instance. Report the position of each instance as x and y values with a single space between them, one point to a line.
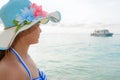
33 34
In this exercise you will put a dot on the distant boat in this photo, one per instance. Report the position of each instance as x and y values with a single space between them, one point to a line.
102 33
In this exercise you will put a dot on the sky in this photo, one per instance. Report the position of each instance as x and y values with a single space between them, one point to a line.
83 11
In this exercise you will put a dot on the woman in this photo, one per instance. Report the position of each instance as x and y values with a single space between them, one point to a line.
10 65
19 33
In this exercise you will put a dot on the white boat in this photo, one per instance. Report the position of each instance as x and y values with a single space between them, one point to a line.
103 32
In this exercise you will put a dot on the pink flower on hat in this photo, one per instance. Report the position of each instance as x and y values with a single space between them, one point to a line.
38 12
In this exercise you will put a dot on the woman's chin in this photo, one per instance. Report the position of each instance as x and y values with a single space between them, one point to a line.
35 42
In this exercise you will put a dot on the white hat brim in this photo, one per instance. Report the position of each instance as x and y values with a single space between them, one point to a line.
7 36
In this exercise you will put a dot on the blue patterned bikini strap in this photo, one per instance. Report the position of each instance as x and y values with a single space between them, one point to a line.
22 62
42 75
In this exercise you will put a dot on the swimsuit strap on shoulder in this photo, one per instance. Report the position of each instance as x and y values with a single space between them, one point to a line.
22 62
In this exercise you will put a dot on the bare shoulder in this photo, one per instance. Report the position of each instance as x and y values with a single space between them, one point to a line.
12 71
8 71
4 71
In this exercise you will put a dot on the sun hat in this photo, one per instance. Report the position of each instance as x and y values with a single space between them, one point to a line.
19 15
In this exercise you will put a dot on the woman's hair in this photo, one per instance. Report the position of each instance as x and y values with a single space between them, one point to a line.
2 54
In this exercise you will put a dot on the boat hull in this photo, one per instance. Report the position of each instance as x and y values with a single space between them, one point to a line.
102 35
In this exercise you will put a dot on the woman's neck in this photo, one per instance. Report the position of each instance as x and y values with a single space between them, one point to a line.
22 51
21 48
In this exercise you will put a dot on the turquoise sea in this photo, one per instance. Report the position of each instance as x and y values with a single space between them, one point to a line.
78 56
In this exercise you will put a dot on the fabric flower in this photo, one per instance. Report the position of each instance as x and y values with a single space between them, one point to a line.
28 14
38 12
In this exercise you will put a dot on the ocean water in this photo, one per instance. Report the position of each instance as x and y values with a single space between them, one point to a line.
78 56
